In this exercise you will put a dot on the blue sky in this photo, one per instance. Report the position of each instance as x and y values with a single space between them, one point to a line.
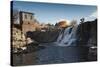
51 13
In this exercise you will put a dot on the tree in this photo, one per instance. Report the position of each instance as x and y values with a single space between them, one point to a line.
73 22
15 16
82 20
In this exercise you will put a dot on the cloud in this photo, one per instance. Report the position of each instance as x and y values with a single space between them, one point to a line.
92 16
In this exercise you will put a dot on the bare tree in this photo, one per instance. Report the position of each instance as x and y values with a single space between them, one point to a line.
15 15
73 22
82 20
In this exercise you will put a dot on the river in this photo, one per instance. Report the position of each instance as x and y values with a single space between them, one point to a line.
51 55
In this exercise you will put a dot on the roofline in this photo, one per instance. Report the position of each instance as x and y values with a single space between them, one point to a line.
26 12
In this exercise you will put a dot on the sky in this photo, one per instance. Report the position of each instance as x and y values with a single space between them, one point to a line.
52 13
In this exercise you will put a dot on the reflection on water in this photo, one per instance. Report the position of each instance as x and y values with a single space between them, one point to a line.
51 54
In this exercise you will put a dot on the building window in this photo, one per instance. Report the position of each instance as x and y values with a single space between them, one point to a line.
25 16
31 17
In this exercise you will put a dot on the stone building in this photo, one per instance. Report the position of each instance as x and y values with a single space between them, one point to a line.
22 22
27 21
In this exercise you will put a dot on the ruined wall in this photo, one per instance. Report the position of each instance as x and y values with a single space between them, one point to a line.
28 26
18 39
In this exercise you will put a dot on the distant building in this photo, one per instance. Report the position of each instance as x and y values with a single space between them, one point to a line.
26 21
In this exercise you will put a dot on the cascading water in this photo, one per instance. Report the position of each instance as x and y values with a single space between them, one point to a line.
67 36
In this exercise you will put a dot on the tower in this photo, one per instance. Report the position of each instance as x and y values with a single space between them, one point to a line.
27 21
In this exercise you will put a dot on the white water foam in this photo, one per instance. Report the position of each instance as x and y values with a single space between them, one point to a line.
67 37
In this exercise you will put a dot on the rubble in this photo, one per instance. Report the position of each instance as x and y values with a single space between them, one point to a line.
18 39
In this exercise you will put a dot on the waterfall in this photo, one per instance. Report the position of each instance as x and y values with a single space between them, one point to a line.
67 36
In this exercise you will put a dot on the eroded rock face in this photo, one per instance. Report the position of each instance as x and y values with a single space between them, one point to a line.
87 34
43 37
18 39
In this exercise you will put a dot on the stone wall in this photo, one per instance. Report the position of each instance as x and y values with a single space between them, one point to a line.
18 39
